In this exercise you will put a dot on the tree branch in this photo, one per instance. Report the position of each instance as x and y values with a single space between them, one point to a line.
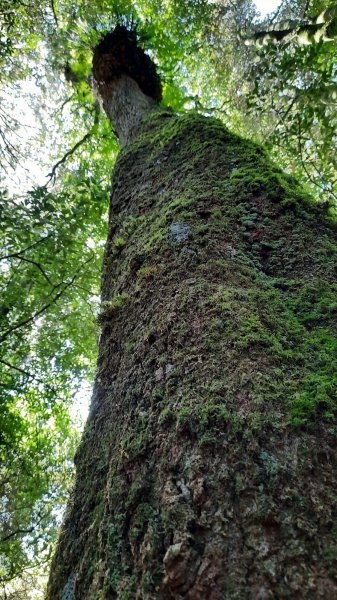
319 28
25 531
70 152
21 371
45 307
17 532
305 9
37 314
276 14
18 254
38 266
304 166
54 12
60 109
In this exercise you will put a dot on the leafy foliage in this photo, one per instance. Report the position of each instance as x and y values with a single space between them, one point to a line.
280 92
49 288
295 89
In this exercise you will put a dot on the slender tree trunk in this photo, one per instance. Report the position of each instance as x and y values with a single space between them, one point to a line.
207 469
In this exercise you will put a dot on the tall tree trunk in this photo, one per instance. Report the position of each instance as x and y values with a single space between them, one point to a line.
207 468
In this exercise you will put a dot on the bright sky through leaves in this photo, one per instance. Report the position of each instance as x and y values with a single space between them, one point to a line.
267 6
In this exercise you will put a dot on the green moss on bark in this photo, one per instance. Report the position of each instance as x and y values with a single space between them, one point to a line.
210 453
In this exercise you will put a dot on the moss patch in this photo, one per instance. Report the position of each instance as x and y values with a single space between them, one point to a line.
210 450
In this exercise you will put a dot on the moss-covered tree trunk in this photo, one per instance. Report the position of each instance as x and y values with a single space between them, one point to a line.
207 469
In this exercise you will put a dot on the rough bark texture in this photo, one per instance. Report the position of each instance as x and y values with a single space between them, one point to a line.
126 106
207 469
126 81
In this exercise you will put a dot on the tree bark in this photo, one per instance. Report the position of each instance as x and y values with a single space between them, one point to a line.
207 468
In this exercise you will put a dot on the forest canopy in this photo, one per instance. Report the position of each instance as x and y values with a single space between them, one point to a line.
272 79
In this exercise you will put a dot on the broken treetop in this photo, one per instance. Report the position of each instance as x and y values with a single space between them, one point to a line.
117 54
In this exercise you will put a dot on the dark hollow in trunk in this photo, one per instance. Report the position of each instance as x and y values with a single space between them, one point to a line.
207 468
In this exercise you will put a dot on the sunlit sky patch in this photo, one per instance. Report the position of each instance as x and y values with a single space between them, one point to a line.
267 6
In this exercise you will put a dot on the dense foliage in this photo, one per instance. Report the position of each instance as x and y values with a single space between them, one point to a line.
55 186
50 286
